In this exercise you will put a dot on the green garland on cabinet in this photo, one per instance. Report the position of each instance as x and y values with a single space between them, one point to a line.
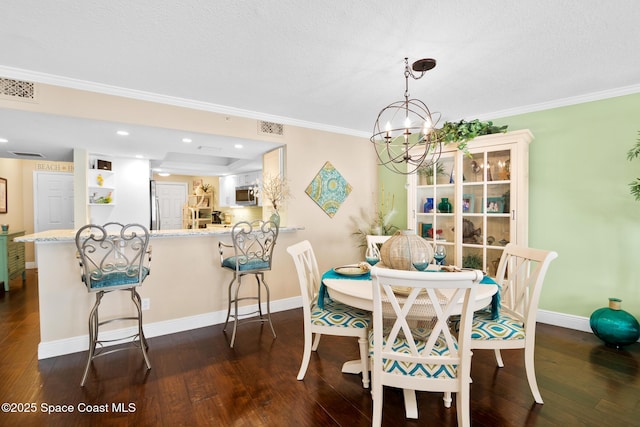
463 131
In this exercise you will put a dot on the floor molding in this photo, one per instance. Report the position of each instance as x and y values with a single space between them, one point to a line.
156 329
81 343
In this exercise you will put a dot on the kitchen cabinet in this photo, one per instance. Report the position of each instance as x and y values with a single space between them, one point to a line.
227 191
11 258
249 178
474 205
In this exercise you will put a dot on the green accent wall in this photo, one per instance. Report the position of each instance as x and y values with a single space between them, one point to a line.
579 202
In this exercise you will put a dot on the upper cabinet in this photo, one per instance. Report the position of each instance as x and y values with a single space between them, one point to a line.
101 181
249 178
474 205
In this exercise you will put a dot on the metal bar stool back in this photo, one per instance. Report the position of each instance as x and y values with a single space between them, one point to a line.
113 257
252 247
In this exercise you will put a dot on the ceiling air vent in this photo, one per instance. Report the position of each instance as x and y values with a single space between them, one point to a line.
27 155
270 128
17 90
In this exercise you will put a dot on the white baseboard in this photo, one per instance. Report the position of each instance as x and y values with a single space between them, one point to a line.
81 343
579 323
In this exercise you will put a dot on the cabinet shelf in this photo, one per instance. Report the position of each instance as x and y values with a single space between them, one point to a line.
198 212
101 184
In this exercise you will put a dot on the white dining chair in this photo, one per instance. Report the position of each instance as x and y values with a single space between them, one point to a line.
520 274
411 344
375 241
334 318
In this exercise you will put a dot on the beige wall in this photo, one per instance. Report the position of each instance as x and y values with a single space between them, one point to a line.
306 152
19 175
195 261
11 170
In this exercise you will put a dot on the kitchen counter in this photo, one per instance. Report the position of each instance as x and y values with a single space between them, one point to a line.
212 230
186 289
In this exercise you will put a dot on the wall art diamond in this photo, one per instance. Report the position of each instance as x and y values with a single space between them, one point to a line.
328 189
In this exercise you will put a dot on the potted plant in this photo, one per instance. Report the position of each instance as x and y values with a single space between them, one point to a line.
426 173
633 154
276 190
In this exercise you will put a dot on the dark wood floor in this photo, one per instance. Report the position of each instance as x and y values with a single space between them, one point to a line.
197 380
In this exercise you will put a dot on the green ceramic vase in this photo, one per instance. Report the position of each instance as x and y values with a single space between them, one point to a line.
614 326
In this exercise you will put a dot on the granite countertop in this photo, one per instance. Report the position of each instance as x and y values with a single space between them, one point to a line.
70 235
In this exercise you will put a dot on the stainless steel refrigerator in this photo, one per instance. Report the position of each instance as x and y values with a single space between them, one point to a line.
155 207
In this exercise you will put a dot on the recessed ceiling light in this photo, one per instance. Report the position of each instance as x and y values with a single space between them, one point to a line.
187 140
238 145
122 133
3 140
164 173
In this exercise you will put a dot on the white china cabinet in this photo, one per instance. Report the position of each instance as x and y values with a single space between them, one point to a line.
474 204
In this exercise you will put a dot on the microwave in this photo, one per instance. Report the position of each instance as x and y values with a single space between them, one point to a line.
245 196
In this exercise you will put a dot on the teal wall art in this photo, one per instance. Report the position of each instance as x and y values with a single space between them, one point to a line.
328 189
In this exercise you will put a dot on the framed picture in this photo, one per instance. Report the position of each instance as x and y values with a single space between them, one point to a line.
3 195
468 203
197 183
494 205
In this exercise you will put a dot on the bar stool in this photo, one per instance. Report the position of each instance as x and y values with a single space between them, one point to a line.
113 257
252 244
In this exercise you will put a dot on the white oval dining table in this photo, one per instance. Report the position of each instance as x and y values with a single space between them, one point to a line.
359 294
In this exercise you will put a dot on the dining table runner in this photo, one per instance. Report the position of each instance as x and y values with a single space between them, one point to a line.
331 274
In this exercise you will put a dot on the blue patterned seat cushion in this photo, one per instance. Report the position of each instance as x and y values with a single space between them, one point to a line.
337 314
252 264
504 327
116 278
421 335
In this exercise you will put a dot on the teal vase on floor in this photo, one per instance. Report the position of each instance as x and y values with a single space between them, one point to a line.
614 326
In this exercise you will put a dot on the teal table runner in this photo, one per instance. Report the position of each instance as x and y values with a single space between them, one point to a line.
323 293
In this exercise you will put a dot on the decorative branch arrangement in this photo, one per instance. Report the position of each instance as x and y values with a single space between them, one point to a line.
276 190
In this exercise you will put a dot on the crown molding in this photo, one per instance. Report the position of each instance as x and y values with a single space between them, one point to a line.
563 102
38 77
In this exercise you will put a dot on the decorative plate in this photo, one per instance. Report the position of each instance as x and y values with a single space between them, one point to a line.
350 270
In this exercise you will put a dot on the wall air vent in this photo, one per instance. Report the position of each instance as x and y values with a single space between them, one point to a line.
27 155
270 128
17 90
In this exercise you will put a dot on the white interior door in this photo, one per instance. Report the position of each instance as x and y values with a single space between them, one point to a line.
172 196
53 201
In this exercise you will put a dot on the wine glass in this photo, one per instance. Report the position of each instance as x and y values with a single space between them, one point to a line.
372 256
420 261
440 254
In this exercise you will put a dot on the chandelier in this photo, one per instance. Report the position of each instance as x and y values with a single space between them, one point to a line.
404 134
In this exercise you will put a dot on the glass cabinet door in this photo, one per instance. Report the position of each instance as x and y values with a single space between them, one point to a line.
435 200
486 206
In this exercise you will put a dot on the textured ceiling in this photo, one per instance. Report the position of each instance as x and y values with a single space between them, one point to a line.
331 64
